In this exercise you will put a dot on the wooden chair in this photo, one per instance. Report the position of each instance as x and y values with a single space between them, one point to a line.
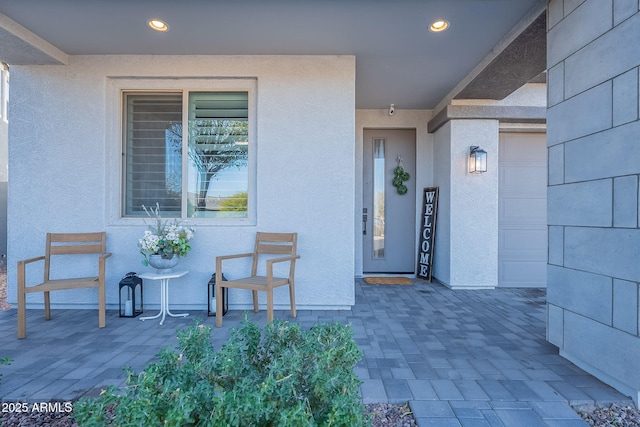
64 244
269 244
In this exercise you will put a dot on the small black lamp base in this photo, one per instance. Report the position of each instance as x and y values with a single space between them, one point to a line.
129 306
211 297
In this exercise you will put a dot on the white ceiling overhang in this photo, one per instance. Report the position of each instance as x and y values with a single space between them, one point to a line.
19 46
491 48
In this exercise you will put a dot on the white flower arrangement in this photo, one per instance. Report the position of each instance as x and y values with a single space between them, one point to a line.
164 238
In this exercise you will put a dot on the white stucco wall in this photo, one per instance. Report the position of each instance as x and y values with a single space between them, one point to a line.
442 179
474 206
467 227
593 289
402 119
65 154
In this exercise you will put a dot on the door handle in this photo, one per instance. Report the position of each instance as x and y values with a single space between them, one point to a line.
364 221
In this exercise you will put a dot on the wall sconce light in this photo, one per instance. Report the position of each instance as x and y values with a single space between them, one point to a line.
477 160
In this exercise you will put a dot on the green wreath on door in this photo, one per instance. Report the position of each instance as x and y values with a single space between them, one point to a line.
399 177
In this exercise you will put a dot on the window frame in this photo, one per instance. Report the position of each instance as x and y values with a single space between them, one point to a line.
4 90
116 181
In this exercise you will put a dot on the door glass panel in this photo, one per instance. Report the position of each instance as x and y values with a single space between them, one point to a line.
378 198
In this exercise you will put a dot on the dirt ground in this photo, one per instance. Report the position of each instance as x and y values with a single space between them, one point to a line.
3 287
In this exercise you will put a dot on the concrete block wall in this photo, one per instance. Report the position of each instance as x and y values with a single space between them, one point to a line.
593 59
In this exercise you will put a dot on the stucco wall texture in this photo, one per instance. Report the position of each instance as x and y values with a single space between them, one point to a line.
593 297
65 171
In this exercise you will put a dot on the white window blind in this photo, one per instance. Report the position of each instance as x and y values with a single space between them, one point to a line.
153 152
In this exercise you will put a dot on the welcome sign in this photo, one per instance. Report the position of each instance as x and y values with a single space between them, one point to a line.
427 233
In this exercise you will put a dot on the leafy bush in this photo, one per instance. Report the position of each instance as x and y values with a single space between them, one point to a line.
237 202
278 376
4 361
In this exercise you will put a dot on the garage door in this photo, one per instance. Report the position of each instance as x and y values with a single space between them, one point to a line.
522 210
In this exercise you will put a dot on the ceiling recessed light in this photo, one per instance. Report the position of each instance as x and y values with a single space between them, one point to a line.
158 24
438 26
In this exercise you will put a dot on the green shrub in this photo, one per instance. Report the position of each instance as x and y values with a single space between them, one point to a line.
4 361
237 202
277 376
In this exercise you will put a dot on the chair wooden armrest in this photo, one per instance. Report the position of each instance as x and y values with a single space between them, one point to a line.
272 261
283 259
223 257
22 272
30 260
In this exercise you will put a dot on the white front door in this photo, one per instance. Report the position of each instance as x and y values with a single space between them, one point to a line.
522 204
388 227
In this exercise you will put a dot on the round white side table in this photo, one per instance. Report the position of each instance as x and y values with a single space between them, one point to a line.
164 293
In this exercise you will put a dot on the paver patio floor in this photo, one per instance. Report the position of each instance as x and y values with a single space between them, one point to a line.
461 358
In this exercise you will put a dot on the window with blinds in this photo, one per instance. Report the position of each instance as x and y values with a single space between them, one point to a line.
203 173
153 153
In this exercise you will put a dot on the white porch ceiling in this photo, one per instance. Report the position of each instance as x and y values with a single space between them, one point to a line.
397 59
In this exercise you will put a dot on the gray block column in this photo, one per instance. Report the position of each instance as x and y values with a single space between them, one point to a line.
593 58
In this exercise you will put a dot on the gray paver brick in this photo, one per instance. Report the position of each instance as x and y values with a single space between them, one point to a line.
398 391
468 413
438 422
520 390
509 404
373 391
471 390
565 423
474 422
431 409
469 374
545 391
446 390
573 394
495 390
555 410
402 373
78 374
520 418
492 418
423 371
473 404
422 390
514 374
604 394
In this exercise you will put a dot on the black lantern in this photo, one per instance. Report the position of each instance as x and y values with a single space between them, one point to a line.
130 295
477 160
211 297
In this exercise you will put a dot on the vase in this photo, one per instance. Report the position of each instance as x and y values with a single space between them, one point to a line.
163 265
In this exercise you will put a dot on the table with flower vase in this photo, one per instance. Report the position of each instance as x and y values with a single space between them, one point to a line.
164 293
